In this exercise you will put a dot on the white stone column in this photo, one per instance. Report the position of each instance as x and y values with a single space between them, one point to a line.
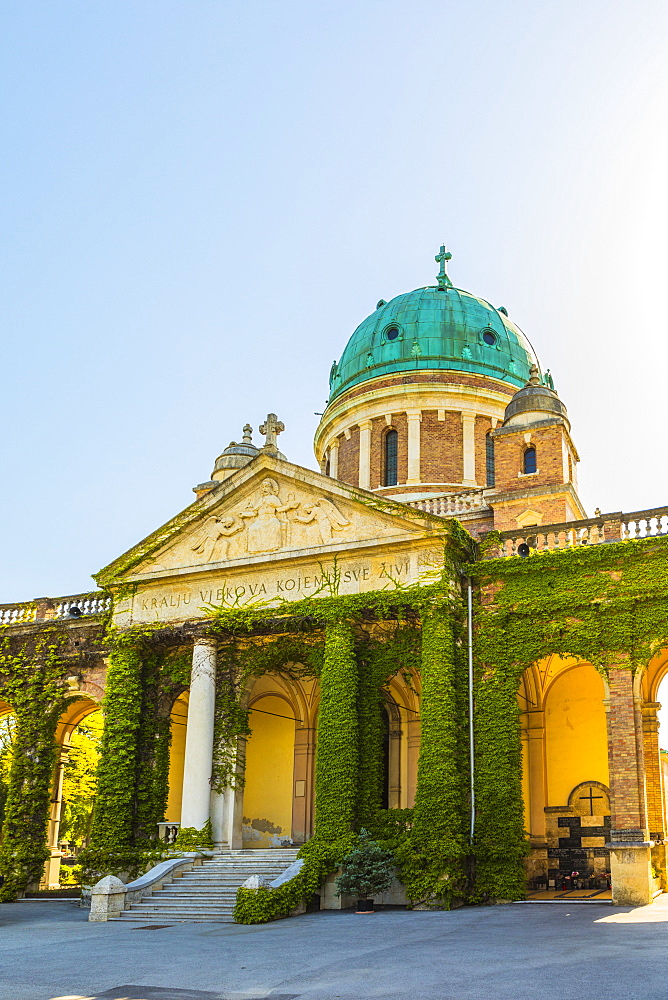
468 429
365 455
414 418
195 807
334 459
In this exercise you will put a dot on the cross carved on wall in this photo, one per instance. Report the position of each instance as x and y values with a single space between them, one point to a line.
590 799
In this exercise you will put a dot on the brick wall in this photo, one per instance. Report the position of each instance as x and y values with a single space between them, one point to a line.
441 445
400 424
379 428
428 378
554 509
627 805
509 456
349 458
482 425
653 782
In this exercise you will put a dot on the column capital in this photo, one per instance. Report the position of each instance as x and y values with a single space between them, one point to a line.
365 425
413 414
205 640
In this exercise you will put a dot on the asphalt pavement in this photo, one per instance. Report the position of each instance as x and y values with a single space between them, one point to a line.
551 951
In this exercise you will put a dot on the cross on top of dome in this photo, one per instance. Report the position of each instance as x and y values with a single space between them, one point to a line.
442 277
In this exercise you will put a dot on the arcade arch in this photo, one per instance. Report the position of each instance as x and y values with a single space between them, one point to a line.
81 706
276 803
562 704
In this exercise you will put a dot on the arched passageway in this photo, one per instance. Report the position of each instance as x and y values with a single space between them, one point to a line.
177 754
565 774
75 774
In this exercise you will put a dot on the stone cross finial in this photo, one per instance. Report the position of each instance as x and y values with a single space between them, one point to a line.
442 277
271 428
534 376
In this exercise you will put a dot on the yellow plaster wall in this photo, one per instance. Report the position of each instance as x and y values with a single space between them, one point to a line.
269 772
176 758
575 732
526 783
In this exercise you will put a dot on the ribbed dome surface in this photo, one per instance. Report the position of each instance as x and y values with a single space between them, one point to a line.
535 399
433 328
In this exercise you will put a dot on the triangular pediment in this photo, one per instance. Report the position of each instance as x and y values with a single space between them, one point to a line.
269 511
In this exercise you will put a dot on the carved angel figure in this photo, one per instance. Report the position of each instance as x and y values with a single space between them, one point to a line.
264 531
213 529
326 517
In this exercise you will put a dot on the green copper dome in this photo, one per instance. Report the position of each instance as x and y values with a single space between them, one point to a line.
434 328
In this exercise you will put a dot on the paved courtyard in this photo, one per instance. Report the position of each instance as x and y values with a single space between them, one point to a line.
550 951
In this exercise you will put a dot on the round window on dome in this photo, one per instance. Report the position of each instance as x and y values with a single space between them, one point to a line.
392 332
489 337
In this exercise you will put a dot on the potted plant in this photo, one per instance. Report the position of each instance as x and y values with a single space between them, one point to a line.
366 872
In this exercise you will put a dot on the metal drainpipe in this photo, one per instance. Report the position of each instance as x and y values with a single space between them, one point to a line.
471 741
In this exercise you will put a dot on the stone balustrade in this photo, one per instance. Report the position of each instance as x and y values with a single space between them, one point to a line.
450 504
615 527
110 896
49 608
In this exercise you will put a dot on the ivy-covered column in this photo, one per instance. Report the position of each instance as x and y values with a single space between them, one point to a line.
34 687
154 738
113 823
24 852
439 815
337 753
371 734
500 844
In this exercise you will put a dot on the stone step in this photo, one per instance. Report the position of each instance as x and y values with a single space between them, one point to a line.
216 877
230 893
201 870
208 892
196 890
175 917
192 906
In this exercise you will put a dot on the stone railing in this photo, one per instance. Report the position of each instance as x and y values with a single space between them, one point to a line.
110 896
450 504
617 527
49 608
168 832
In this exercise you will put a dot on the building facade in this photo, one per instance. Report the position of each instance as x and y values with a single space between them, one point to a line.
427 637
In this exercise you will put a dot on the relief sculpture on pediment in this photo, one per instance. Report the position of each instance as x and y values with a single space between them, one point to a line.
212 535
264 530
268 523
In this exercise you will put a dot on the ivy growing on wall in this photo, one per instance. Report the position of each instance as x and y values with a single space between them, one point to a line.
603 604
32 681
433 856
143 680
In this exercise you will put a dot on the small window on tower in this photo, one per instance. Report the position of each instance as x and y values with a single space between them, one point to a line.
392 333
489 338
529 461
391 448
489 459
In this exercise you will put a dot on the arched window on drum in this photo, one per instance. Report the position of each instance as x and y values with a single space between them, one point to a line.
489 460
391 447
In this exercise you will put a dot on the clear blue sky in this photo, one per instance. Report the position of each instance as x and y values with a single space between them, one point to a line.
201 200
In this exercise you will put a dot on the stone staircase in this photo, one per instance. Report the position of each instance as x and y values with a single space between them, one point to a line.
209 891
